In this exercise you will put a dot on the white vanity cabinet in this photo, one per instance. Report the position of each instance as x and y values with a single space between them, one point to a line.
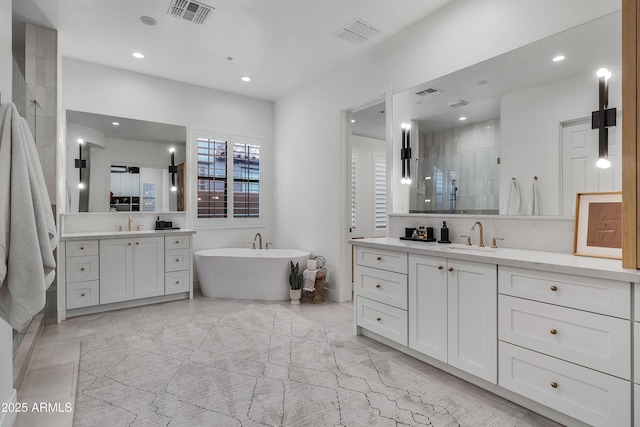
124 269
565 343
82 273
131 268
380 285
452 313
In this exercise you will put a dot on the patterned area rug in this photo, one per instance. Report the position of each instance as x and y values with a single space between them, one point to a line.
258 367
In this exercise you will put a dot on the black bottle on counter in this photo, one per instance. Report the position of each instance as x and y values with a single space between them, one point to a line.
444 233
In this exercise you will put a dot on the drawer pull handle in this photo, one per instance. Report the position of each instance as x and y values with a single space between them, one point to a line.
554 288
177 260
81 295
129 243
177 283
81 268
554 384
379 319
177 242
440 267
450 268
379 259
82 248
378 286
553 332
137 243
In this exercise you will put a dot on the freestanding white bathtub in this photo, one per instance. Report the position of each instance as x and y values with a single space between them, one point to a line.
247 273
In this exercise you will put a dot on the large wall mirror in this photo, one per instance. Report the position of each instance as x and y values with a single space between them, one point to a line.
125 164
499 135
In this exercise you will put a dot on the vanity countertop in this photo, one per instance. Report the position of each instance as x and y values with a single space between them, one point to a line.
121 234
539 260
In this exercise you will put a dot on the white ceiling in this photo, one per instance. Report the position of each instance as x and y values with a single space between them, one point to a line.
281 44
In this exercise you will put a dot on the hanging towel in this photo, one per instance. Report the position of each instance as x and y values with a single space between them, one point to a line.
514 198
27 227
533 205
309 280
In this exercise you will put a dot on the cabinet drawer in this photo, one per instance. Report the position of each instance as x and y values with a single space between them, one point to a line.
82 248
176 282
82 268
389 322
381 285
176 242
83 294
593 397
592 340
585 293
176 259
382 259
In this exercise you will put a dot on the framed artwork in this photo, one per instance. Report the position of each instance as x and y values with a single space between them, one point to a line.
598 226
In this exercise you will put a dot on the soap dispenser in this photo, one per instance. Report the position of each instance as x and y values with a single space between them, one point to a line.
444 233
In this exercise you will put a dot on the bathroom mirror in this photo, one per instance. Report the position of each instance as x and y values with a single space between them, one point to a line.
493 137
126 164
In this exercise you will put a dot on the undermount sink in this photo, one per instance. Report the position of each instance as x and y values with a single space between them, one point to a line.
461 247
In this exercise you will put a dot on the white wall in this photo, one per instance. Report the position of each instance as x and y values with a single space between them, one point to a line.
311 151
104 90
531 129
367 148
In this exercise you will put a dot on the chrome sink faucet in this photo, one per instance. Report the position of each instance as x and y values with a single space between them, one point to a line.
473 227
259 237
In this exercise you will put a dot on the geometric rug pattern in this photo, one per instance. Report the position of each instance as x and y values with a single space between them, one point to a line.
260 366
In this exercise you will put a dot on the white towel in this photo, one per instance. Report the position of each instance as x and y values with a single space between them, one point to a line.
514 198
27 227
309 280
533 205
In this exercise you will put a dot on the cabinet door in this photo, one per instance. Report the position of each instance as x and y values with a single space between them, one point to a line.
428 305
116 270
148 267
473 318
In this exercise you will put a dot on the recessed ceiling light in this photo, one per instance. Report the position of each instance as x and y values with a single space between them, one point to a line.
147 20
115 123
245 78
558 58
229 58
353 120
463 118
138 55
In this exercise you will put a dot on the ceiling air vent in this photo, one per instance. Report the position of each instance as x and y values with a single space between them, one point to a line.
459 103
428 91
357 32
189 10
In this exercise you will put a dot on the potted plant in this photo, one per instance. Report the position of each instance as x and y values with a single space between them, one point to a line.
295 281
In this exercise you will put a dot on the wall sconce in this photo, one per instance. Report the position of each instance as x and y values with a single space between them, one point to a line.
173 169
80 164
405 153
603 118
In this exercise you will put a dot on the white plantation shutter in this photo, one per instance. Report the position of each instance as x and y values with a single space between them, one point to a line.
380 193
354 174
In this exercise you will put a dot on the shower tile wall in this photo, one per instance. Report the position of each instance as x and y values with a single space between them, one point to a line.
466 154
40 67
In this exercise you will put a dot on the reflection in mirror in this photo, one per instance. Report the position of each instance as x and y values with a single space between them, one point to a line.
127 164
497 136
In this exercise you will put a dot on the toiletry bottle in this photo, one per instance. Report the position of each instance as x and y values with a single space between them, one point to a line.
444 233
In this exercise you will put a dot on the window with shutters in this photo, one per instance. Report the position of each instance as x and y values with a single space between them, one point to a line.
229 169
380 194
354 180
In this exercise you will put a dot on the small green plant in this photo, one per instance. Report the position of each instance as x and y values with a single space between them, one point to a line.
295 277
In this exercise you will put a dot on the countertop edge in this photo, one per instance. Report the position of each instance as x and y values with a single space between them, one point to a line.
548 261
122 234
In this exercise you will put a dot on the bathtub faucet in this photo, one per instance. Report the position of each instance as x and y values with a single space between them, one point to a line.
259 237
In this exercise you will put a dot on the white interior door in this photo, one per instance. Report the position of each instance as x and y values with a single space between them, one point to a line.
579 156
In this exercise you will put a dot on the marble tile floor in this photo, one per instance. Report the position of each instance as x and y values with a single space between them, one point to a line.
52 374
